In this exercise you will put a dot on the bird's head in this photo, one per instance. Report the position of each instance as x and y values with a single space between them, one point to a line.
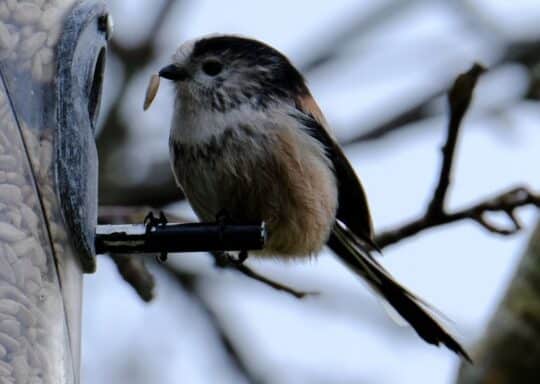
224 72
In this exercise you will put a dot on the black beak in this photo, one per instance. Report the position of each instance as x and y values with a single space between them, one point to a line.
173 72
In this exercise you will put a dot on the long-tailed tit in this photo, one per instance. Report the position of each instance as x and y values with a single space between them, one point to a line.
248 139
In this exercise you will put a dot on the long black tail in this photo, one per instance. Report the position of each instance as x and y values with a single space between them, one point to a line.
356 256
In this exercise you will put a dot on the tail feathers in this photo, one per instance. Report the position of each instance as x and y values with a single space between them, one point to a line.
414 310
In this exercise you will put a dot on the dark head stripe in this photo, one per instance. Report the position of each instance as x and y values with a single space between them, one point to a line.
285 76
234 45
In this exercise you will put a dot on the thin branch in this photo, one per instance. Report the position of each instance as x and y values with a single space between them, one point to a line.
132 269
134 272
189 283
336 39
129 215
506 202
272 283
526 53
459 99
410 114
223 260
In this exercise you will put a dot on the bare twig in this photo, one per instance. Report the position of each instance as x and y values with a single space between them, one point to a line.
526 53
132 269
459 100
274 284
189 283
506 202
135 273
359 25
223 260
414 112
129 215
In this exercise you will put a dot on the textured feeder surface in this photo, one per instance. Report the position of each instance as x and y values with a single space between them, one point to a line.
29 32
34 343
40 277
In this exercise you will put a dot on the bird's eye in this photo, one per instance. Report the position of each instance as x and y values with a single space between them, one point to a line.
212 67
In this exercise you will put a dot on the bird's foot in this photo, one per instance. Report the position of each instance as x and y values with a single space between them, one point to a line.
151 222
242 256
223 217
225 259
161 257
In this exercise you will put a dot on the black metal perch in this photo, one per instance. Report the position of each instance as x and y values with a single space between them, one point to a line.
190 237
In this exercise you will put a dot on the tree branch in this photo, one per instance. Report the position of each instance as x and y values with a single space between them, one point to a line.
134 272
506 202
459 98
224 261
336 39
526 53
132 269
131 215
509 351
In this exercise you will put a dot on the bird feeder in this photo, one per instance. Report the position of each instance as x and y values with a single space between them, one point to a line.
52 59
52 55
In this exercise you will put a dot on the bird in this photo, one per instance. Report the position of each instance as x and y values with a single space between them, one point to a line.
249 142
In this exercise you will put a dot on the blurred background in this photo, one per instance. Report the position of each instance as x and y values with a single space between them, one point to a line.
379 70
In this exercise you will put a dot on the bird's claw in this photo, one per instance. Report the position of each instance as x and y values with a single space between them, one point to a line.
151 222
237 261
242 256
225 259
222 219
161 257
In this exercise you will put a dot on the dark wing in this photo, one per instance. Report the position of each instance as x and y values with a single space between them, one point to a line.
353 209
350 237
